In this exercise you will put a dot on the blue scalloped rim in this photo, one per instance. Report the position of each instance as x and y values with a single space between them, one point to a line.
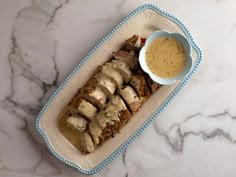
150 120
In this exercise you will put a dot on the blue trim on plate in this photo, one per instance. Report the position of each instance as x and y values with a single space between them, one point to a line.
150 120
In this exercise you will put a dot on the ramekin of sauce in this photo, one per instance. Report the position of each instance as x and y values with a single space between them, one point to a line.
166 57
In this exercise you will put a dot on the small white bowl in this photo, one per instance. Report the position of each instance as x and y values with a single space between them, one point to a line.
178 37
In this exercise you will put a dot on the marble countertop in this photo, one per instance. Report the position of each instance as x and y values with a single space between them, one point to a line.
42 41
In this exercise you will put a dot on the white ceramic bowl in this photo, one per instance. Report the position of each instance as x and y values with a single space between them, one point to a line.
182 40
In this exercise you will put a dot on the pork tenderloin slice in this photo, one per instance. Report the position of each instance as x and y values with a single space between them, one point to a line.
113 74
127 57
94 94
79 123
87 142
95 131
139 83
122 67
131 98
85 108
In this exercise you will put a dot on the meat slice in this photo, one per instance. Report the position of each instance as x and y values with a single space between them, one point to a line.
94 94
109 119
122 67
112 73
78 123
95 131
110 114
107 84
153 86
131 98
138 82
125 116
87 142
130 44
84 108
127 57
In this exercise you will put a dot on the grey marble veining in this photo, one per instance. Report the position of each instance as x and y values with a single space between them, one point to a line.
42 41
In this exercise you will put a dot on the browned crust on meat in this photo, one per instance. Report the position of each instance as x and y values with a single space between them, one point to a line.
135 106
153 86
130 43
142 88
127 57
109 131
136 62
66 112
99 69
86 90
125 116
76 101
93 80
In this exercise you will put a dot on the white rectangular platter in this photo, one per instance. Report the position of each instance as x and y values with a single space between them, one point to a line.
142 21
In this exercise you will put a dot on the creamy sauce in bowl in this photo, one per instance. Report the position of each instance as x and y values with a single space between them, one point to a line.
165 57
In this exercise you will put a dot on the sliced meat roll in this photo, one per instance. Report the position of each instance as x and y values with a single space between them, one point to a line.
138 82
122 67
153 86
127 57
125 116
110 113
94 95
131 43
112 118
87 143
84 108
95 131
112 73
106 83
131 98
78 123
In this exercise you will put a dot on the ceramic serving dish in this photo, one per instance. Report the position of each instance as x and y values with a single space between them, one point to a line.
179 37
142 21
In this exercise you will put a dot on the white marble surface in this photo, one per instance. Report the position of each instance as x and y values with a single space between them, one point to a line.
42 41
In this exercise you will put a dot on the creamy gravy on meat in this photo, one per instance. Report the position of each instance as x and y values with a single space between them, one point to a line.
72 135
166 57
